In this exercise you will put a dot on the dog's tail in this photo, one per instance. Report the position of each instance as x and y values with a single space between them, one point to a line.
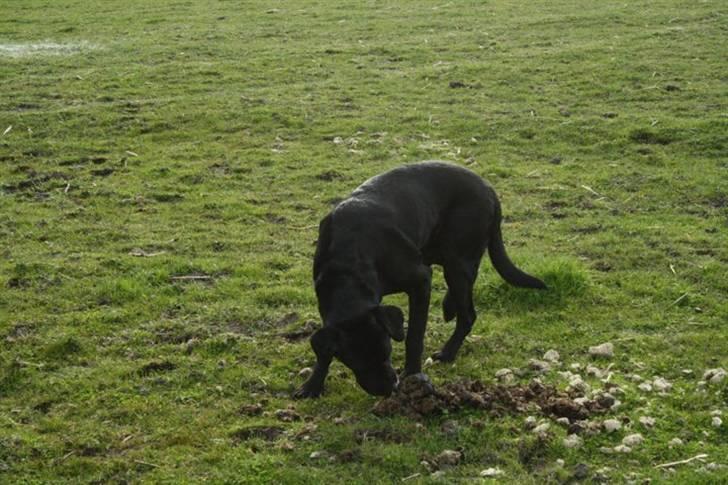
502 263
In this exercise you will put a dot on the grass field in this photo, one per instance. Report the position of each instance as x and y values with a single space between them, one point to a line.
146 143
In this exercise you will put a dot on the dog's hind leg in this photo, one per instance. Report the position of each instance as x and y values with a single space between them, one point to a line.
460 277
448 307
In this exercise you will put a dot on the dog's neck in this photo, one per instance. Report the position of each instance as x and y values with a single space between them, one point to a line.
346 291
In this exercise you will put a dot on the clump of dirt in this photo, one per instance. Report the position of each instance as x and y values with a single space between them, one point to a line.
416 397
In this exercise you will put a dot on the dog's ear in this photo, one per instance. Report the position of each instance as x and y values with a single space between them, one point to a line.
325 342
392 319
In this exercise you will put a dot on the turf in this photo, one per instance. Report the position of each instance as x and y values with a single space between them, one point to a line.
164 166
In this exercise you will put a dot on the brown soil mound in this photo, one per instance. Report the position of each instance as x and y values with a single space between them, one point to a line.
417 397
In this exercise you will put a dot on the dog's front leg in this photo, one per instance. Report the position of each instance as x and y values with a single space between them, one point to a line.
314 386
419 305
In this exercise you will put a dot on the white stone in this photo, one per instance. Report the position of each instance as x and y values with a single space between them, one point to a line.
573 441
563 421
560 462
645 386
647 421
716 422
529 422
604 350
539 365
491 472
317 455
551 356
611 425
632 439
635 378
715 376
575 366
449 458
661 384
716 412
541 428
578 383
594 371
675 442
504 375
581 400
622 449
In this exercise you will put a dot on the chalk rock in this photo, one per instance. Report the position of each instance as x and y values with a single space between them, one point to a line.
449 458
611 425
633 440
491 472
551 356
539 365
604 350
504 375
716 422
647 421
573 441
715 376
661 384
645 386
543 427
622 449
675 442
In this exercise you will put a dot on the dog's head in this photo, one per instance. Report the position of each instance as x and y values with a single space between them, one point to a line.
363 345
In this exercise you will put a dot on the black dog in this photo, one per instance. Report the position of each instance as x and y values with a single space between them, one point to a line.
382 240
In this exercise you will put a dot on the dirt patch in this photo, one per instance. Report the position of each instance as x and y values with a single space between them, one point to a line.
267 433
417 397
301 333
156 366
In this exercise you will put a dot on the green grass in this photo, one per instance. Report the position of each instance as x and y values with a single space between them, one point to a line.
163 139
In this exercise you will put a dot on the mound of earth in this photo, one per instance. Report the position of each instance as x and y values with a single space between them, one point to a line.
417 397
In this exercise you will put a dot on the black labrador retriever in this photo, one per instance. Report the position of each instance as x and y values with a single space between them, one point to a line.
382 240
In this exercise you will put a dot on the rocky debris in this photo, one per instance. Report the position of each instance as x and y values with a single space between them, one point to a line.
448 458
581 471
715 376
541 428
716 422
450 427
645 386
319 455
417 397
551 356
287 415
505 375
529 422
622 449
540 366
611 425
491 472
573 441
255 409
661 385
563 421
647 421
594 371
633 440
578 384
675 442
604 350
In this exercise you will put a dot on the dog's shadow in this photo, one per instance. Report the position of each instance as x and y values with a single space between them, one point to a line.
567 283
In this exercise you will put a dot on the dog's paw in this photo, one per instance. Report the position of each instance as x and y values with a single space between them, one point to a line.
307 392
444 356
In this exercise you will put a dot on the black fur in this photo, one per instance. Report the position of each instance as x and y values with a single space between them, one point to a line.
383 240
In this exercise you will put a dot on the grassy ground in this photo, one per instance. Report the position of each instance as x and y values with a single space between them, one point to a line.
147 141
